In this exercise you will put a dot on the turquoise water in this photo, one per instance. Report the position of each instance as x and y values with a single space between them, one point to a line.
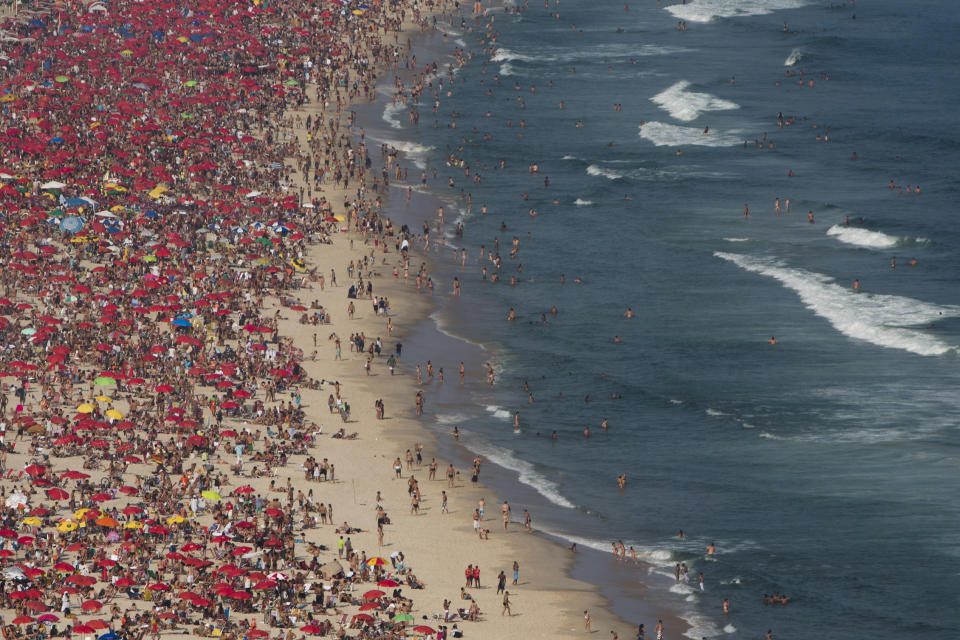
823 467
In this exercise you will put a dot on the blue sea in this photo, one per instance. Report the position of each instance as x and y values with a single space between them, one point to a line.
825 466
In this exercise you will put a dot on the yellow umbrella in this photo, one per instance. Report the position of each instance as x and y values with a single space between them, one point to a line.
113 413
177 519
33 520
67 525
133 524
86 407
79 513
103 399
157 191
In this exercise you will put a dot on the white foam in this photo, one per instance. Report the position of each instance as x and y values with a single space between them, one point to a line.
409 148
451 418
660 555
597 170
681 588
737 239
729 629
700 627
715 412
707 10
582 203
670 135
391 114
498 412
689 105
568 157
506 55
414 150
862 237
675 401
884 320
525 470
793 58
506 69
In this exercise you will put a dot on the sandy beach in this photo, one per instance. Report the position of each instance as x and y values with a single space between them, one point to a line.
213 468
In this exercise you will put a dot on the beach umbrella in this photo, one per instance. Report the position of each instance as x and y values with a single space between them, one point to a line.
422 628
373 594
85 408
67 525
369 605
210 495
376 561
61 79
109 636
82 628
104 381
92 605
403 617
388 583
312 629
23 620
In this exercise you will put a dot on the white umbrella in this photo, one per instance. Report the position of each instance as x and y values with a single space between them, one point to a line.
15 500
53 184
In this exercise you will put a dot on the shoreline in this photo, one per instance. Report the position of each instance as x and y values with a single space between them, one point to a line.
542 546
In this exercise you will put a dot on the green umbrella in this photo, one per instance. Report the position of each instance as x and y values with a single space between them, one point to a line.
191 83
29 331
126 52
104 381
186 115
291 82
56 212
263 240
62 79
149 258
210 495
403 617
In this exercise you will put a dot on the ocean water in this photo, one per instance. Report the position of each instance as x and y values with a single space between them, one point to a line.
824 467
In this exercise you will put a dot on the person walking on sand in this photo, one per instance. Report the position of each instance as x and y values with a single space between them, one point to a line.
586 621
506 605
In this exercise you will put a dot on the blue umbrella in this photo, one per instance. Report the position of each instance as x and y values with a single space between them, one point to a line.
110 635
72 224
181 322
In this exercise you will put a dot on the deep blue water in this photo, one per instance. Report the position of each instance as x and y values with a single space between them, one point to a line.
825 466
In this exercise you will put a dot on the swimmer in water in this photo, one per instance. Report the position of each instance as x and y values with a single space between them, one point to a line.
628 313
772 340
